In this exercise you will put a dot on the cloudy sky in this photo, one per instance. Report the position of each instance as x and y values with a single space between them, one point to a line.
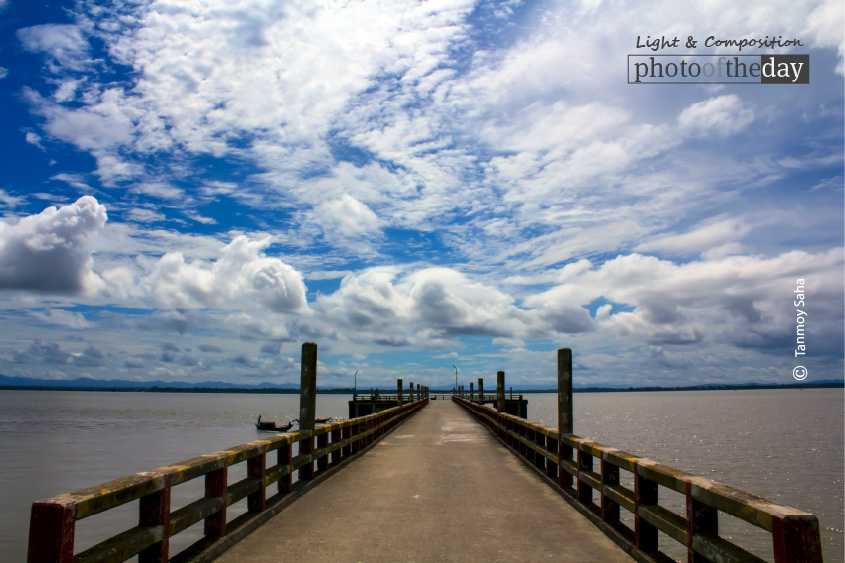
193 188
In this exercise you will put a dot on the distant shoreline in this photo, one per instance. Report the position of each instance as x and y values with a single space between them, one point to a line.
349 391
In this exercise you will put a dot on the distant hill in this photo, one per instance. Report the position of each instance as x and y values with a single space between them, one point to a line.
87 384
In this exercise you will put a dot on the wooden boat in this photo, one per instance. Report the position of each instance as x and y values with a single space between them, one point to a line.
319 420
272 426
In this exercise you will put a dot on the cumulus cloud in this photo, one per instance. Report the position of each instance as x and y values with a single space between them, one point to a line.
241 277
51 251
426 307
682 303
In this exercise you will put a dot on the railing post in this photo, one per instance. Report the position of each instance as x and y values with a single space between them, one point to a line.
585 492
399 391
471 392
796 538
500 391
216 484
323 442
701 519
336 438
308 405
356 443
411 392
51 531
551 467
540 458
609 476
481 391
645 493
154 510
256 468
284 456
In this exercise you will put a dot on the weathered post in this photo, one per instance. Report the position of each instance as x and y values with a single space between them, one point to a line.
411 392
481 391
564 390
471 392
399 391
308 404
564 411
500 391
419 392
51 532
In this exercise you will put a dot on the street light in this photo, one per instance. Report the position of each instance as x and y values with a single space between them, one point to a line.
456 378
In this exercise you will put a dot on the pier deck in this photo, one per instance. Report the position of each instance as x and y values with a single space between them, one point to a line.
438 488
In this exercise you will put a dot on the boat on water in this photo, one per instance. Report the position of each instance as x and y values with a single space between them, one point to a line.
319 420
272 426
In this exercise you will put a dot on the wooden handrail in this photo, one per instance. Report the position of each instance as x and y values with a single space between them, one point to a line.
568 461
53 520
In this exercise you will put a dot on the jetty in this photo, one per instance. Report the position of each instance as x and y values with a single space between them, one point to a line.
447 480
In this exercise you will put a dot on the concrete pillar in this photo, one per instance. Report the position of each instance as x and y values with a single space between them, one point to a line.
500 390
564 390
307 403
471 392
399 391
480 390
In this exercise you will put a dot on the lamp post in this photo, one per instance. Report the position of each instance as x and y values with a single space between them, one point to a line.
456 378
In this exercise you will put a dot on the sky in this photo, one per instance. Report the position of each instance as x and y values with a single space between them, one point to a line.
191 189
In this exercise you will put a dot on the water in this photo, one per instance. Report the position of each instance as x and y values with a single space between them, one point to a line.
57 442
786 446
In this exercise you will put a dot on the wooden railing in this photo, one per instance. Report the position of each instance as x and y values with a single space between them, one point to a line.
53 521
567 458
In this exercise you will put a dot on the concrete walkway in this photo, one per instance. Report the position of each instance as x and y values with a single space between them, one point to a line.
439 488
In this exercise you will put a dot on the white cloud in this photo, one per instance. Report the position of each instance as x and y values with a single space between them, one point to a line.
63 43
8 200
159 190
241 277
426 307
62 317
721 116
34 139
346 217
703 237
143 215
728 297
51 251
75 180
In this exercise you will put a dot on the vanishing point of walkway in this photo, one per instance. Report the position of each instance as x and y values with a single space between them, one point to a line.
440 487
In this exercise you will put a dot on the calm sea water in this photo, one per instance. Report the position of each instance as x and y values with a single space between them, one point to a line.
786 446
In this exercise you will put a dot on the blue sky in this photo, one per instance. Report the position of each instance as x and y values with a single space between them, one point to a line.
192 189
